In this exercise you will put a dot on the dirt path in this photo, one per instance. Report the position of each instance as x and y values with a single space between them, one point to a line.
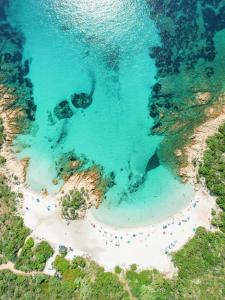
10 266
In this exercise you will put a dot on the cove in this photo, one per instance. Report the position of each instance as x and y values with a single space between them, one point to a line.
98 48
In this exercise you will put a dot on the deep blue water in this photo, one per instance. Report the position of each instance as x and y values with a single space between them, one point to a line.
73 45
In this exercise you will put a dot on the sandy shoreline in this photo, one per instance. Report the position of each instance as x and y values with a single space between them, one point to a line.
147 246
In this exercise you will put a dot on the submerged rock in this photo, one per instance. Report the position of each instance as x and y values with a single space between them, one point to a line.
31 109
153 162
82 100
63 110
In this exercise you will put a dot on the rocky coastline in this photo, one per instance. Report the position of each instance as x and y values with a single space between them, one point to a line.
190 70
194 150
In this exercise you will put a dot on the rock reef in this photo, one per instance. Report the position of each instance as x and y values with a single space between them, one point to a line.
62 110
194 151
81 100
17 108
190 69
84 100
16 89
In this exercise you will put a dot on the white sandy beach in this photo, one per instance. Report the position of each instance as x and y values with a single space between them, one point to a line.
147 246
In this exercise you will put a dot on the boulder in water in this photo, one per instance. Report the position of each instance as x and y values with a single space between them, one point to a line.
81 100
63 110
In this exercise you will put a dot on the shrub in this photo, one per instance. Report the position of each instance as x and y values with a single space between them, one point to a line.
34 257
133 267
201 254
2 160
118 270
78 261
2 134
71 204
13 236
61 264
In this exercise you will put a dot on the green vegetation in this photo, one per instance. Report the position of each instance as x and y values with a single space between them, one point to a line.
89 281
2 134
3 260
150 284
72 203
69 164
61 264
13 235
104 182
78 261
33 257
133 267
118 270
201 255
12 231
2 160
213 171
26 255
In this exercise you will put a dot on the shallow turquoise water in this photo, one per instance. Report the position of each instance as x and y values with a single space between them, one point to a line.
70 42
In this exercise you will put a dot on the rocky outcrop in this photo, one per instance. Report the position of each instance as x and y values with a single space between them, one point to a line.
82 100
86 182
16 89
194 151
24 164
14 117
68 164
203 98
13 120
63 110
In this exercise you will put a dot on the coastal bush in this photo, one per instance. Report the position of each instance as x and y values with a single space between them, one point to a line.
2 134
2 160
13 235
150 284
118 270
221 202
7 198
3 260
107 286
61 264
203 253
12 230
71 204
34 257
219 221
133 267
78 261
213 171
72 275
201 276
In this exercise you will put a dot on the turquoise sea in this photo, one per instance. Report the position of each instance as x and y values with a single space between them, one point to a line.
103 46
